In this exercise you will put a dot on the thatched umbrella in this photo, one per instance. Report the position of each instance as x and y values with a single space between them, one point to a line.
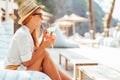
63 24
76 18
73 18
64 18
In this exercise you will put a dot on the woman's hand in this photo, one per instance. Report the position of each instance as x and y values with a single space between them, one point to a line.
48 39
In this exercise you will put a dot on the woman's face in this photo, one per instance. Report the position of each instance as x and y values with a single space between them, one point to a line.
37 18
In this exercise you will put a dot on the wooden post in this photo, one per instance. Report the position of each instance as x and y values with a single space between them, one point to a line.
92 23
60 59
66 64
109 18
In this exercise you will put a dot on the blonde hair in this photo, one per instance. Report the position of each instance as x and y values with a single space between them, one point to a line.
34 33
27 20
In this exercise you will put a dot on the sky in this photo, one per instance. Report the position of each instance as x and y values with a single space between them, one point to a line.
106 5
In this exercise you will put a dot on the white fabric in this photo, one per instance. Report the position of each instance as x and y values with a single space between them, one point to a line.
22 75
21 48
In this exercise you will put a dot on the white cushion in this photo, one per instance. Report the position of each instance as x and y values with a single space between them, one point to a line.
22 75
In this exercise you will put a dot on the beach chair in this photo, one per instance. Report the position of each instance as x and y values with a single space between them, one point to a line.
77 60
100 72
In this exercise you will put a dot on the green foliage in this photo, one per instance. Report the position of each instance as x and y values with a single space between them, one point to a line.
49 5
39 3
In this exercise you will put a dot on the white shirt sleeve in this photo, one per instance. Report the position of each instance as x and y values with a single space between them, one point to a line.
25 47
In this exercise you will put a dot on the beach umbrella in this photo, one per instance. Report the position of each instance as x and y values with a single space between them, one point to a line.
63 24
64 18
73 18
76 18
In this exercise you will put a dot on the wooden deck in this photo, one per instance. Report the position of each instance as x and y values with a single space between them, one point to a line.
106 56
77 60
99 72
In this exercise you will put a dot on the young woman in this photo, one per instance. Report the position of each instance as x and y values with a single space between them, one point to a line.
25 53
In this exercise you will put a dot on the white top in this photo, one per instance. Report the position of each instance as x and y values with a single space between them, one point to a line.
21 48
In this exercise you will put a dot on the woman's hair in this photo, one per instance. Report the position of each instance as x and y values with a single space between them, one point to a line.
34 33
27 20
35 38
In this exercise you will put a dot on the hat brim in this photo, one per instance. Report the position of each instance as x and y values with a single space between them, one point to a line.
23 18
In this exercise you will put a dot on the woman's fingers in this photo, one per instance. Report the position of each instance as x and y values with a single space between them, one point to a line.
47 39
43 35
49 42
45 32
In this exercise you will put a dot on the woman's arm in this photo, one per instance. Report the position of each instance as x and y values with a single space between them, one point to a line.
37 53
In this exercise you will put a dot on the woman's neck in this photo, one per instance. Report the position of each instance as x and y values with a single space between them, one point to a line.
33 33
31 27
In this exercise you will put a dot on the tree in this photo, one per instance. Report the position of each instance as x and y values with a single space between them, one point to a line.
109 19
92 23
49 5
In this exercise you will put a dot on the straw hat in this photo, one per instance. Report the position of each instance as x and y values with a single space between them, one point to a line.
26 8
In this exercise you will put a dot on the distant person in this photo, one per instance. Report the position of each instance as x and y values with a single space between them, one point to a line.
25 53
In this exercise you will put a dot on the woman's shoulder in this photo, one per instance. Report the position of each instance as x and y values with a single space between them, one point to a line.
22 31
